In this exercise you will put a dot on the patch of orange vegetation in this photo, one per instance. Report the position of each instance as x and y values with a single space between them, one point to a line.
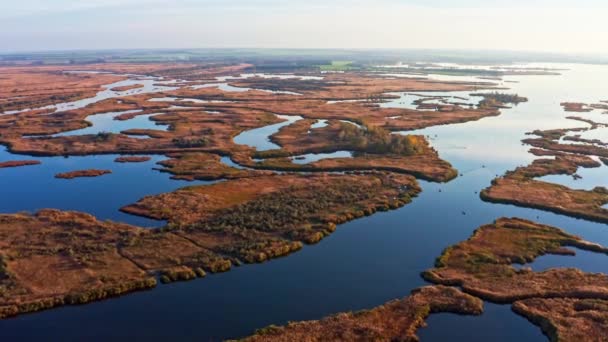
132 159
18 163
128 87
204 166
82 173
193 204
567 319
23 88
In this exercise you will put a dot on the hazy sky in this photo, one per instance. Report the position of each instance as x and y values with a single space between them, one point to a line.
539 25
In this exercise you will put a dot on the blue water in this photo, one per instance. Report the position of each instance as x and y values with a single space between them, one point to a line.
406 100
584 260
259 137
105 122
313 157
319 124
497 323
363 264
31 188
591 178
599 134
228 161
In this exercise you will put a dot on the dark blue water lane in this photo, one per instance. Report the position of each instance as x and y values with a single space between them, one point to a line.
260 137
497 323
583 260
32 188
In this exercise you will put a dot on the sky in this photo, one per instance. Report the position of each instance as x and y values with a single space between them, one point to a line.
568 26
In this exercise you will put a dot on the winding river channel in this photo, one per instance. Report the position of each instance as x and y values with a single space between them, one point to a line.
363 264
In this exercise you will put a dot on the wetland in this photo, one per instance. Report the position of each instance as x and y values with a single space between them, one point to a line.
221 205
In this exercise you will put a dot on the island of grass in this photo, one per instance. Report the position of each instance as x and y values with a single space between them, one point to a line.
295 207
483 265
521 186
82 174
583 107
127 87
132 159
499 100
549 140
18 163
204 166
576 107
397 320
567 319
373 149
554 299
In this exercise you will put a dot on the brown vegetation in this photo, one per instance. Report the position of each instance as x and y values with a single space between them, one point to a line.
128 87
57 258
18 163
33 87
82 173
373 149
203 166
197 203
567 319
576 107
499 100
583 107
520 188
132 159
568 305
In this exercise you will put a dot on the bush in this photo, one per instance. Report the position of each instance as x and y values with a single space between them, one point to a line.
104 136
377 140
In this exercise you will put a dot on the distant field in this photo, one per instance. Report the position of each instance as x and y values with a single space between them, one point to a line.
337 66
